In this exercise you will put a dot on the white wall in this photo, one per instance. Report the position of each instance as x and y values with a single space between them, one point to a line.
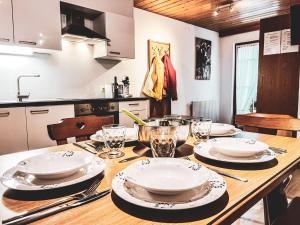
73 73
227 45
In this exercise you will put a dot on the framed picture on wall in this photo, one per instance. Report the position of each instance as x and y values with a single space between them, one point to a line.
203 59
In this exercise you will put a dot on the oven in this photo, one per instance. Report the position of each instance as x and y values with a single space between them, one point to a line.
98 108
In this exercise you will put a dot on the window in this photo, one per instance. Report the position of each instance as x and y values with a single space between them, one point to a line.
246 77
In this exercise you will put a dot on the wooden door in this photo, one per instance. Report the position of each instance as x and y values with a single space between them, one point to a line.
278 80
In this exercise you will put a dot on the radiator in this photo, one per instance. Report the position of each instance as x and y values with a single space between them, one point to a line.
207 109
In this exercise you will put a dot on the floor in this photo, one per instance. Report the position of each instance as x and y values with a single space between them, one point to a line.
254 216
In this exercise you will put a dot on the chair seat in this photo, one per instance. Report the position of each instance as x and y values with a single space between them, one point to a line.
292 215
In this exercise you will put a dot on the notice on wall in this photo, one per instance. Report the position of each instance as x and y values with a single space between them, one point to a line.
272 43
286 46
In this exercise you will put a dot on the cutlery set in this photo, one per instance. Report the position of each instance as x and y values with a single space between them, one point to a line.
63 204
130 184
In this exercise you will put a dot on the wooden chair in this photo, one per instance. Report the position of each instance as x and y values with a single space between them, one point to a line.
79 127
284 125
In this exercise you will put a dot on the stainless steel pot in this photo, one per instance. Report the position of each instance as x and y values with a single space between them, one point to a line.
182 129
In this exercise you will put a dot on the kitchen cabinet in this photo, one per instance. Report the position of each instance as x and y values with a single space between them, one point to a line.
120 30
122 7
37 23
13 134
37 120
138 108
6 22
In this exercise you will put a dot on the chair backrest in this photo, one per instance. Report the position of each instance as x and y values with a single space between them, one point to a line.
284 124
79 127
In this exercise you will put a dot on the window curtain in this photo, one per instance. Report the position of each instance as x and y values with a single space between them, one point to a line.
246 77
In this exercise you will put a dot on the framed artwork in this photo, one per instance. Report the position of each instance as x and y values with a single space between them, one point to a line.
203 59
157 48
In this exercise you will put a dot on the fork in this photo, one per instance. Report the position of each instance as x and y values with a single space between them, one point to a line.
78 196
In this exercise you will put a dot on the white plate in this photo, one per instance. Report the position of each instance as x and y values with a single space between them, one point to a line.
55 165
238 147
131 135
14 179
220 128
167 176
233 132
216 183
205 150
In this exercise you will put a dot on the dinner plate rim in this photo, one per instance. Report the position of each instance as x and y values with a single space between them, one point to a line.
232 127
237 131
238 161
214 194
97 163
261 146
93 137
194 168
56 173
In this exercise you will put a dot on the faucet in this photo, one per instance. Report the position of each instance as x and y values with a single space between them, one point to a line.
19 95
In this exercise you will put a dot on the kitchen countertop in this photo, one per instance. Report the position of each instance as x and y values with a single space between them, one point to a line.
63 101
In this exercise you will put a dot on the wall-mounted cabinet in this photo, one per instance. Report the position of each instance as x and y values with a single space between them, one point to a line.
37 23
32 23
122 7
120 30
6 22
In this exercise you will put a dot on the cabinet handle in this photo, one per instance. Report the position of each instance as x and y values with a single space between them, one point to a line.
44 111
136 114
4 114
134 104
115 53
4 39
28 42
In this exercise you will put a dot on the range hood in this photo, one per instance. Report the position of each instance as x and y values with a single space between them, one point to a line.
75 29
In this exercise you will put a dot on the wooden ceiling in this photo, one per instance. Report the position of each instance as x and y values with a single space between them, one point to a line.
245 14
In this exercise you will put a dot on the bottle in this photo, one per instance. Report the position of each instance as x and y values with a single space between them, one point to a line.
115 88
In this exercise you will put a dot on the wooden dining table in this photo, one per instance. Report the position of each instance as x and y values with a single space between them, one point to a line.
240 196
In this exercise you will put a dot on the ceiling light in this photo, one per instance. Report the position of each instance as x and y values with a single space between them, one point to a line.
15 50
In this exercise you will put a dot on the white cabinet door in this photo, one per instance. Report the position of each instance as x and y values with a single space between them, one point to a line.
128 122
6 22
138 108
37 23
120 30
13 135
37 120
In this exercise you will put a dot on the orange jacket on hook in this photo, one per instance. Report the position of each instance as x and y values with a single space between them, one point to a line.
154 83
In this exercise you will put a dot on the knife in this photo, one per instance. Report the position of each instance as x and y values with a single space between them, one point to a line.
58 209
130 158
84 148
278 150
229 175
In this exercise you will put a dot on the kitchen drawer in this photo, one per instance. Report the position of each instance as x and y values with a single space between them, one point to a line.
134 105
37 120
127 121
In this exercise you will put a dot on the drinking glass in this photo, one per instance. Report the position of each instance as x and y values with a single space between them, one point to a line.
114 137
163 141
201 129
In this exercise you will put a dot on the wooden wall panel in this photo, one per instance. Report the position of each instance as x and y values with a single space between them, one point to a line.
278 83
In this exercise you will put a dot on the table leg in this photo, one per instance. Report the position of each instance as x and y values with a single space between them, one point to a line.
274 204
